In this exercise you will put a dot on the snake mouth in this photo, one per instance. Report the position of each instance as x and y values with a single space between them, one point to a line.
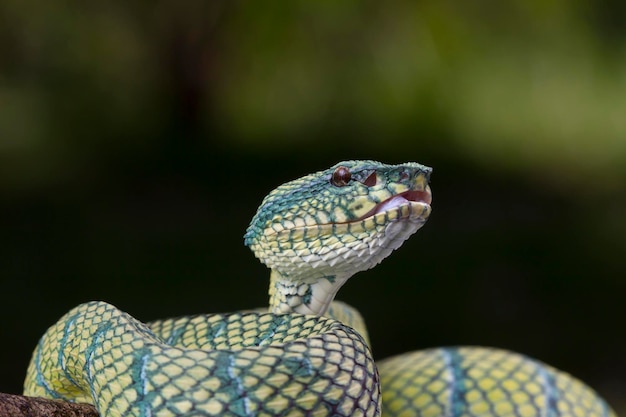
424 196
412 197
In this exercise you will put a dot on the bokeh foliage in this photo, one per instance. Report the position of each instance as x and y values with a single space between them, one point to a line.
137 138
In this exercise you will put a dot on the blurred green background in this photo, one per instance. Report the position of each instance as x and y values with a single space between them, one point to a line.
137 140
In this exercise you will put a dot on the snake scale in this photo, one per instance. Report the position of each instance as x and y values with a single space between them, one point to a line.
307 355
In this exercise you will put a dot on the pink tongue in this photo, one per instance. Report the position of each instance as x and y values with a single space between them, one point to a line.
422 196
392 203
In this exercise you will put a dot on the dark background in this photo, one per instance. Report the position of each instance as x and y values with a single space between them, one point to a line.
137 140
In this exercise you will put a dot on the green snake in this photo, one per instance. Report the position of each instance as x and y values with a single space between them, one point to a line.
307 355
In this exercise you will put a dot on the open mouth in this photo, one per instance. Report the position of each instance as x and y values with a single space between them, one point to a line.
411 196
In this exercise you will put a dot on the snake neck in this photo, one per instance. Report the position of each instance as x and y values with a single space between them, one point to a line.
288 295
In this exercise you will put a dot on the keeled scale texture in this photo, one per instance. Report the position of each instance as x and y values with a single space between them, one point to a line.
266 365
476 381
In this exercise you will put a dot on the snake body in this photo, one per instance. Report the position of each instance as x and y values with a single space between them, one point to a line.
307 355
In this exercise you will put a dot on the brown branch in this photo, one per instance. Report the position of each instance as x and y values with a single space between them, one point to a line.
21 406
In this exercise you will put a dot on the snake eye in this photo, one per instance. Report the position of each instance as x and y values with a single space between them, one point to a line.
341 177
370 181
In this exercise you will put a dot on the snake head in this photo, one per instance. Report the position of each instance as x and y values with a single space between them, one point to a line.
345 219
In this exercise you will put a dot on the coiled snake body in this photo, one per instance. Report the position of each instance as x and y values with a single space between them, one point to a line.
308 355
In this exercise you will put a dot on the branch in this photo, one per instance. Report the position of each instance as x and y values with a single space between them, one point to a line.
21 406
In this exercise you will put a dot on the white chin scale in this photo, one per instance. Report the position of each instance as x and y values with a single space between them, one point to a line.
393 236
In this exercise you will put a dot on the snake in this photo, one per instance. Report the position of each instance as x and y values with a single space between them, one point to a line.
307 354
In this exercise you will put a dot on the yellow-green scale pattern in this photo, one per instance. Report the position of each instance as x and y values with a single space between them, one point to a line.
478 381
238 364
